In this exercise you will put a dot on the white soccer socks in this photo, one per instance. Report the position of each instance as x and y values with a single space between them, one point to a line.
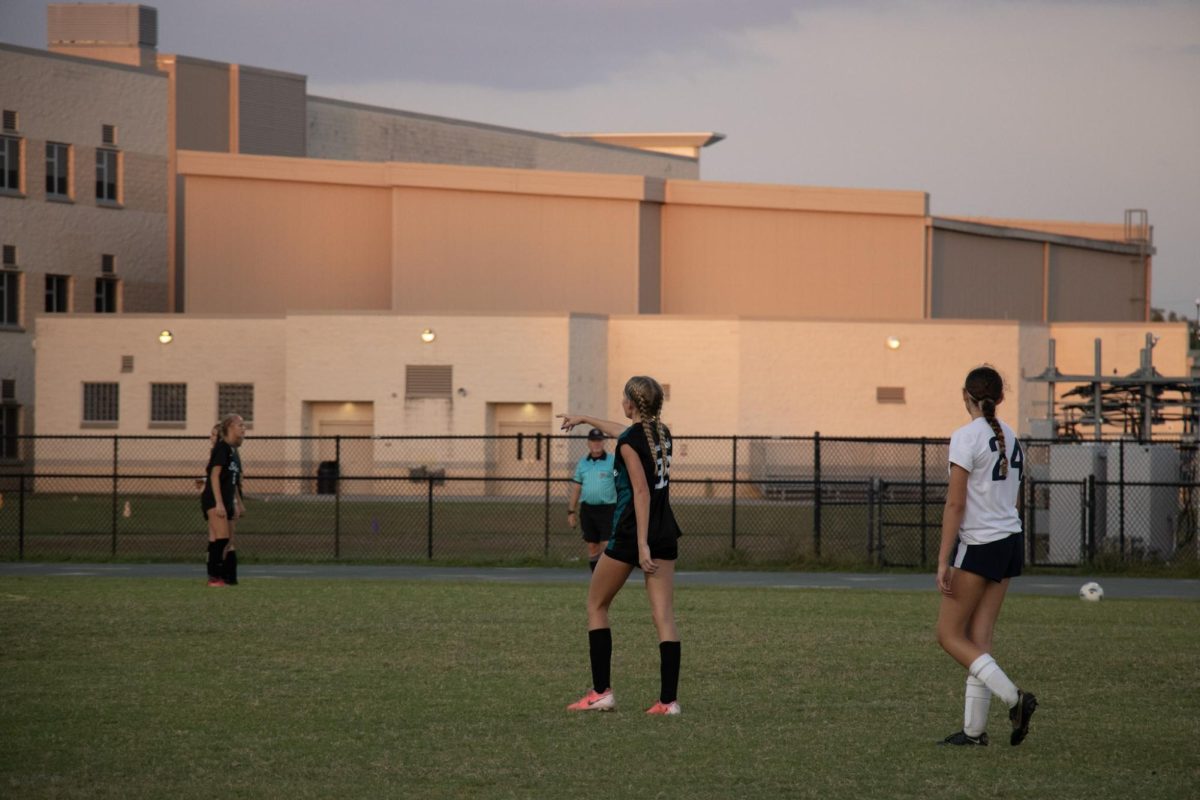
988 671
975 709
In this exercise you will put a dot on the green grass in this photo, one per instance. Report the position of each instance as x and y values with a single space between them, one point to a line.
308 688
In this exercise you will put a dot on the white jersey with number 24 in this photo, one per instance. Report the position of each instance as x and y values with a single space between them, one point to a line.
991 513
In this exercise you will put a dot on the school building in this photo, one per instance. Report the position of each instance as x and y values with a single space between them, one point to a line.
290 251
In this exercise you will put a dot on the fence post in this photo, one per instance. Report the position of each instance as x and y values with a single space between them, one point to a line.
1121 494
546 546
924 507
429 521
871 517
1091 518
337 497
116 445
817 494
1031 519
733 500
21 520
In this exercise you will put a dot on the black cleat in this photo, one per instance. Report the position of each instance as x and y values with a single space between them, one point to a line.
1020 714
961 739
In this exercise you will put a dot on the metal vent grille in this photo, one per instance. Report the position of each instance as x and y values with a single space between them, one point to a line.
10 255
108 134
10 120
425 381
889 394
126 363
8 389
108 263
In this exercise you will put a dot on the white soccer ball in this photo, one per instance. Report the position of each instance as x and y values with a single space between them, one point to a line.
1091 591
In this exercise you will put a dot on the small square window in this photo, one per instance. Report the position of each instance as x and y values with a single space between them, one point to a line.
108 134
236 398
100 402
168 402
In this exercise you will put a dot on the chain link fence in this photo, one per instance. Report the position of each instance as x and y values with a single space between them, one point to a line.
794 500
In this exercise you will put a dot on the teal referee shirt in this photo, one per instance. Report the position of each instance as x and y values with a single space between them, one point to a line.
595 475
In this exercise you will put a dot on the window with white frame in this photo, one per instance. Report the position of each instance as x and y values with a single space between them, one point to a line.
106 295
236 398
58 294
10 163
58 170
168 402
107 177
101 402
10 297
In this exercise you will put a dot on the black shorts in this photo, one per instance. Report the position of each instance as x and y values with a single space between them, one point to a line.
595 522
624 548
995 560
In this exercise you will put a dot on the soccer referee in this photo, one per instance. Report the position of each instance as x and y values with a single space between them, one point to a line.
593 483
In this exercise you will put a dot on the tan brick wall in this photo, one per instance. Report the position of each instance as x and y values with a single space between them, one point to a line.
66 100
727 375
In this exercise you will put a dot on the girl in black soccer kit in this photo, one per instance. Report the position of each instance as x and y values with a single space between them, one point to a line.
221 500
981 551
644 535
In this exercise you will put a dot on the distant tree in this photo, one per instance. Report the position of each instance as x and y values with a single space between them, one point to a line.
1156 314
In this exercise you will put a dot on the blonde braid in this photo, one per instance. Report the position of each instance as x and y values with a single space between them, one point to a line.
643 407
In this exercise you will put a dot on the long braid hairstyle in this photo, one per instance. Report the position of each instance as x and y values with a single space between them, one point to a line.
647 396
986 387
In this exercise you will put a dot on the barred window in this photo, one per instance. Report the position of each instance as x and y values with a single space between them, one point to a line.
236 398
10 298
426 380
168 402
106 295
100 402
56 294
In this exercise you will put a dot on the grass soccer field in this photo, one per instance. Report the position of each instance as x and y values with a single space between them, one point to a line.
300 688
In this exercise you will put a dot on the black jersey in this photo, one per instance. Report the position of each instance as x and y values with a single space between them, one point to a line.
662 529
225 456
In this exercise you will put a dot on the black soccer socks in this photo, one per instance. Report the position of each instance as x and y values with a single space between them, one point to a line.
600 650
229 568
216 553
668 652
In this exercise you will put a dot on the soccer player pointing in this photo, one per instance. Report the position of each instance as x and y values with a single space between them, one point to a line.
644 535
981 550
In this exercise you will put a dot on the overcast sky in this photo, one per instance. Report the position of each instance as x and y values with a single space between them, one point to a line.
1058 110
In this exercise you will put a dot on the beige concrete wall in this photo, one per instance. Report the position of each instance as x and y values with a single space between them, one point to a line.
67 100
458 251
205 351
791 251
354 132
258 247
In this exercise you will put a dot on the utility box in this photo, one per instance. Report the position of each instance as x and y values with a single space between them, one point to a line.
1072 465
1151 510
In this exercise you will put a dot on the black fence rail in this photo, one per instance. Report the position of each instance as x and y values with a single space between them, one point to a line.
755 499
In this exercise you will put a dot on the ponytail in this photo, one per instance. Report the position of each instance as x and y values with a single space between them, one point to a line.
647 396
986 388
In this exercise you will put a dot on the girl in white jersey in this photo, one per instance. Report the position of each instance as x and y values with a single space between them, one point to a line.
982 549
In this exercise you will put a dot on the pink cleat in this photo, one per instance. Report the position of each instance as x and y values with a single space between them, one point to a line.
670 709
215 582
595 701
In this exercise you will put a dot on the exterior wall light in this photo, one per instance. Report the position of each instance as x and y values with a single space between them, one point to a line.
166 337
893 342
428 335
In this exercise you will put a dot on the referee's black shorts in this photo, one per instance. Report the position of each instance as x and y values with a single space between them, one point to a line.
595 522
995 560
